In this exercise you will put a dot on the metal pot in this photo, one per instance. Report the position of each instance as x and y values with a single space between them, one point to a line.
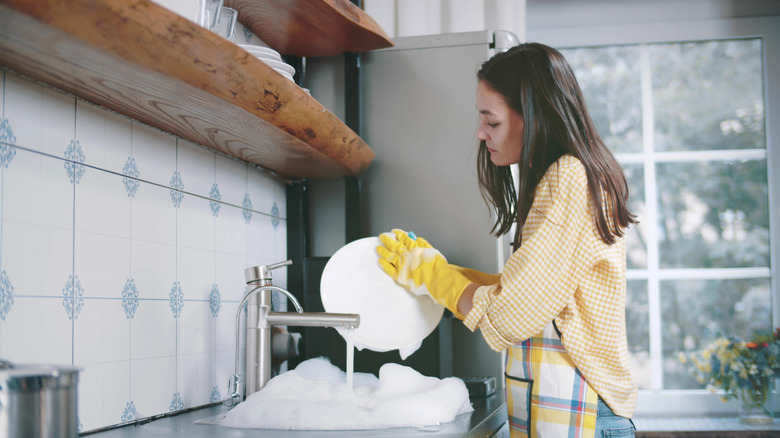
38 401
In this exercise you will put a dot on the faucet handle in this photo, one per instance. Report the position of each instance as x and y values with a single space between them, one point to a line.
262 273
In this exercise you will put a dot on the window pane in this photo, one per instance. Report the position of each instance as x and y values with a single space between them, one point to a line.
708 95
610 81
638 331
713 214
636 243
696 312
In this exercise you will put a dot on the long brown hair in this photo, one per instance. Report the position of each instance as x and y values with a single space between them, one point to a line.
538 84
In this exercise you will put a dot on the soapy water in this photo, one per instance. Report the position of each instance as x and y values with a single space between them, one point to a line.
315 396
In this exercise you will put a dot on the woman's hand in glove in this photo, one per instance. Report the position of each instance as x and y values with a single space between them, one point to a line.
414 263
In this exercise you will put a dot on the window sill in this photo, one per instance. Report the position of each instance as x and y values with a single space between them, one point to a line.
715 427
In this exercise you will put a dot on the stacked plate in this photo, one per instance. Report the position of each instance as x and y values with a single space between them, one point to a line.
272 58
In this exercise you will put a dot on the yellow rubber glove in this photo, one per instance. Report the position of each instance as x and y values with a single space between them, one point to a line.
478 277
415 264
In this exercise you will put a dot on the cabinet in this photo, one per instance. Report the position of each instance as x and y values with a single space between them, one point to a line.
146 62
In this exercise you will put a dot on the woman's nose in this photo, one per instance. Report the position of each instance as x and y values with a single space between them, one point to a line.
481 134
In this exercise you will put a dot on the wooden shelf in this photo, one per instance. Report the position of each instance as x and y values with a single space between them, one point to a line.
308 28
146 62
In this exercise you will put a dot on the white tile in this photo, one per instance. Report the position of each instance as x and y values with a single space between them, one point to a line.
144 328
101 332
22 102
56 194
90 262
22 188
206 276
164 216
165 269
260 186
280 197
26 340
116 143
196 328
117 266
196 378
165 328
261 238
55 258
142 387
164 378
22 257
230 275
231 175
153 268
116 390
144 210
187 221
225 333
91 132
230 229
117 207
154 152
90 396
197 166
58 121
187 269
206 224
90 200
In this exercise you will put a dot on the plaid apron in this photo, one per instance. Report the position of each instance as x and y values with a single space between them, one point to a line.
545 392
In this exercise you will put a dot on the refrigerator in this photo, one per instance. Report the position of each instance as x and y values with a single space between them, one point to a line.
418 114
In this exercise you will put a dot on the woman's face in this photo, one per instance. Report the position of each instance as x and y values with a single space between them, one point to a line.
500 126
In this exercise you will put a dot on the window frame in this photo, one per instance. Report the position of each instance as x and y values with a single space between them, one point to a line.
699 402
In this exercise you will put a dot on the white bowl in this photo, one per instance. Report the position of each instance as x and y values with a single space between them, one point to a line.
260 49
391 317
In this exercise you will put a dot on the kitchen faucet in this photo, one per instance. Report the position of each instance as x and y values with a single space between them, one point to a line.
260 319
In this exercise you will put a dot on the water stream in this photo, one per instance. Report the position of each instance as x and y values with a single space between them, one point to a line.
349 337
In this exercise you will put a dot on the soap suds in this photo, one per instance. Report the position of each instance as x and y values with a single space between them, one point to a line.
315 396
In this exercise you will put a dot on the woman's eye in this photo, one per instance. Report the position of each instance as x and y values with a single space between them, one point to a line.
492 125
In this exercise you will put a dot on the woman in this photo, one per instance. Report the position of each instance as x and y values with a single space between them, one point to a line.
558 307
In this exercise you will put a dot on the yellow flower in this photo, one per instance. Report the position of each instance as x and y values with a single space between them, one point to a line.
681 357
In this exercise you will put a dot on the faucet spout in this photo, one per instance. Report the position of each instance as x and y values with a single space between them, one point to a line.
347 320
260 320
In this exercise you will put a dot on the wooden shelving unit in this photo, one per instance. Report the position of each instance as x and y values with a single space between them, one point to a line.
144 61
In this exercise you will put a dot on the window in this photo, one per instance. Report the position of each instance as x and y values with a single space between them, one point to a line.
686 120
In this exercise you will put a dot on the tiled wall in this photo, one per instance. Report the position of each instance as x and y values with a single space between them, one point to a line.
122 251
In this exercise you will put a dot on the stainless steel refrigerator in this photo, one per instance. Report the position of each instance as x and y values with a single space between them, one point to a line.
418 114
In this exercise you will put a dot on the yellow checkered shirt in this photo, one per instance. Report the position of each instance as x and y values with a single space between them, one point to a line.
564 271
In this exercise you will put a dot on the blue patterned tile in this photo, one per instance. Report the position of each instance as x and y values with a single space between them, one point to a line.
6 295
130 413
176 189
130 298
215 394
7 138
130 170
215 301
73 294
75 154
247 204
177 299
215 198
275 214
177 403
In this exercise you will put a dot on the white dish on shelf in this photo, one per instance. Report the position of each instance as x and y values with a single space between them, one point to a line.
391 317
260 50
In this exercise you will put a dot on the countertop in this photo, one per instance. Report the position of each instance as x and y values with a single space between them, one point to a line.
488 417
